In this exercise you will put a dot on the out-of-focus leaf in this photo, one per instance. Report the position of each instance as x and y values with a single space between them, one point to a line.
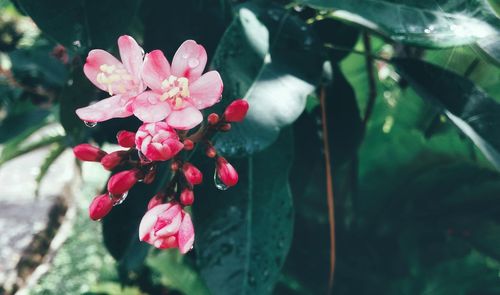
82 23
38 63
54 153
491 46
272 59
12 150
24 124
76 94
244 233
175 272
475 113
431 23
342 37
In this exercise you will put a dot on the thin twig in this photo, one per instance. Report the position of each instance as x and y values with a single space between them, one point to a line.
329 189
372 92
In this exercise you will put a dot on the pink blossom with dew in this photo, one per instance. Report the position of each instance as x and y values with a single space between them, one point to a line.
178 91
122 80
157 141
167 226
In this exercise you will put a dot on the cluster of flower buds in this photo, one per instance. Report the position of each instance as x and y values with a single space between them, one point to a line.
172 126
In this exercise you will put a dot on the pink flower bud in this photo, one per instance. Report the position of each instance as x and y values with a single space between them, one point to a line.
156 200
193 175
236 111
87 152
187 197
123 181
111 160
188 144
226 172
126 138
211 152
100 207
167 226
158 141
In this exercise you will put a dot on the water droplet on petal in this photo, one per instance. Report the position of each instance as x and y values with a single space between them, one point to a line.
90 124
218 183
193 62
118 200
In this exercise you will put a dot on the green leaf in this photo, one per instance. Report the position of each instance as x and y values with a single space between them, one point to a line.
175 272
54 153
15 149
272 59
22 125
244 233
430 23
82 23
340 36
471 109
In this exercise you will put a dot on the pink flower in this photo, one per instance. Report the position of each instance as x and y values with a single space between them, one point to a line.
167 226
157 141
122 80
179 91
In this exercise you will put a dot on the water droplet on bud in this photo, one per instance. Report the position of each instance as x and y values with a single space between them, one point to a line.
218 183
119 200
90 124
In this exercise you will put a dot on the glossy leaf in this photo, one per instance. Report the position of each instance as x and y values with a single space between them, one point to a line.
430 23
243 234
82 23
271 59
491 47
471 109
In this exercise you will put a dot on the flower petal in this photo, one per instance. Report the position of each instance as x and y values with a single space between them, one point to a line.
131 55
148 221
149 108
95 60
207 90
156 69
185 237
189 61
108 108
185 118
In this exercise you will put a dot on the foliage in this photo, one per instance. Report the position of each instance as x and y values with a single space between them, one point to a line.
410 91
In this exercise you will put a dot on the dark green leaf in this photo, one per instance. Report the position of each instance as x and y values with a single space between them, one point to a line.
244 233
24 124
340 36
82 23
475 113
432 23
54 153
273 60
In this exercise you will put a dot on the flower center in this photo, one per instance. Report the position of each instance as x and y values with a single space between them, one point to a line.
176 90
114 78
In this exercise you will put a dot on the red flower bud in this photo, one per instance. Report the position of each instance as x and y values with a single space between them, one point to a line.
211 152
187 197
236 111
188 144
100 207
126 138
111 160
213 119
121 182
225 127
193 175
226 172
87 152
156 200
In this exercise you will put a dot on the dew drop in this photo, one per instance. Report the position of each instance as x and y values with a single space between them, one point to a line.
193 62
90 124
77 43
118 200
218 183
143 157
